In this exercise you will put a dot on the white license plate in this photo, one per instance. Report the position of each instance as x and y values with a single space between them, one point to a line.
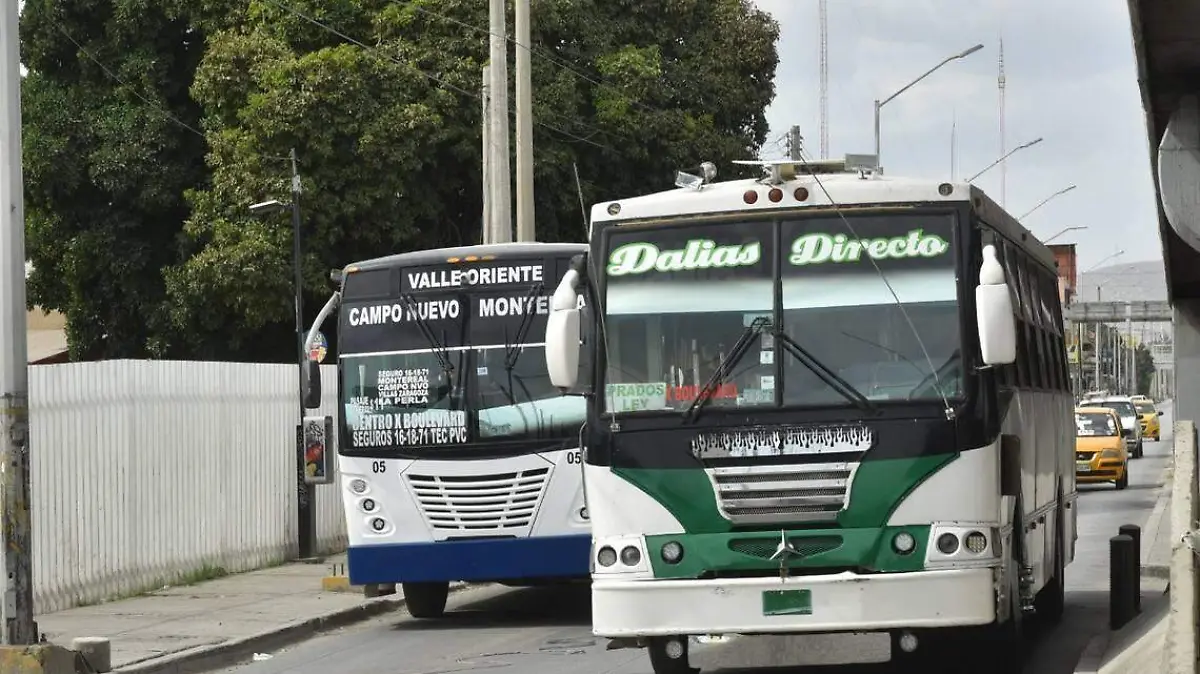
1081 467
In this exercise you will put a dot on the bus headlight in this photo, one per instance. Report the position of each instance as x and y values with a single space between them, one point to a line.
947 543
606 556
904 543
976 542
368 505
358 485
630 556
672 552
378 524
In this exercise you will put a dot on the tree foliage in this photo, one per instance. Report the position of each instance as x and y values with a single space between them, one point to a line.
379 98
106 162
1145 369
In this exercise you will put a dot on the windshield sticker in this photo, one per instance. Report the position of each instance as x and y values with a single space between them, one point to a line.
403 388
430 310
634 397
475 276
638 258
689 393
838 248
431 427
757 442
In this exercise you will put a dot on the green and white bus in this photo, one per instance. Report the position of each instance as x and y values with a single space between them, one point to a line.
827 400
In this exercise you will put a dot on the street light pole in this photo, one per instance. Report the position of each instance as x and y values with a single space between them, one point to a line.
1064 231
1043 202
879 104
306 495
1006 156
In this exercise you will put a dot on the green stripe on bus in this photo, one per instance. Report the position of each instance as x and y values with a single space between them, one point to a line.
878 488
750 552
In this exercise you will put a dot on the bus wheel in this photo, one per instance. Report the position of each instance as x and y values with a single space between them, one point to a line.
426 600
669 655
1007 639
1052 599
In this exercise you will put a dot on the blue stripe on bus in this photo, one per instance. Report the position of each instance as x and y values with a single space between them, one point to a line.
471 560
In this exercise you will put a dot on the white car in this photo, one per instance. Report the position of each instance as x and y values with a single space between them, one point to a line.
1131 426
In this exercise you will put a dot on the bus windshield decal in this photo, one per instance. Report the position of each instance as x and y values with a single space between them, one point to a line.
428 310
475 276
821 248
641 257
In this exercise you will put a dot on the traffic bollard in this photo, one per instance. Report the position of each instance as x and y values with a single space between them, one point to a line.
1120 581
1135 532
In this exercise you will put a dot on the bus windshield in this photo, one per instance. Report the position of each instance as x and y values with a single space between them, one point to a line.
679 299
451 367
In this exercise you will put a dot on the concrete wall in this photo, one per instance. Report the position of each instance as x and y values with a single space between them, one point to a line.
143 471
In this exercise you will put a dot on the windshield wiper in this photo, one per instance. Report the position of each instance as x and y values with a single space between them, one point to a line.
740 347
439 350
935 375
512 350
833 379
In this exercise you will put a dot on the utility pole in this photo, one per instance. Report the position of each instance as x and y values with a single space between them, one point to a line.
486 231
823 11
501 197
525 225
1001 83
16 609
794 143
1132 350
306 495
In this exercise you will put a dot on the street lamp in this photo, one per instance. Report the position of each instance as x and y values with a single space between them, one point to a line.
305 495
1001 160
879 104
1064 231
1047 199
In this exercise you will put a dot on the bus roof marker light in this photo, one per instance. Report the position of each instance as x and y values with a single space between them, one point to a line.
614 208
750 197
945 189
452 260
775 195
801 194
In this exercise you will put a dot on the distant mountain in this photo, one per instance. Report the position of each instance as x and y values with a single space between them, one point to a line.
1131 282
1125 283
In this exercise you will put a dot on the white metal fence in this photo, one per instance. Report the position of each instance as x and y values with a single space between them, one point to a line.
144 472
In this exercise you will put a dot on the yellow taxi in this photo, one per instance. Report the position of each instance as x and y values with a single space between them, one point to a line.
1100 447
1148 417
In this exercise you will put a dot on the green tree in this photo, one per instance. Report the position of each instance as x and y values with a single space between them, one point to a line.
388 135
107 158
1145 369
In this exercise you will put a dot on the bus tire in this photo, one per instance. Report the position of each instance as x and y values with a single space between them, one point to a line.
661 663
1051 601
426 600
1006 640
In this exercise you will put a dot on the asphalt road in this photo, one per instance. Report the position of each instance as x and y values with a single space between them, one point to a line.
547 630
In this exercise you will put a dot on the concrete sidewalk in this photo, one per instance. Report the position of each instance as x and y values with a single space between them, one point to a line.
1137 647
218 622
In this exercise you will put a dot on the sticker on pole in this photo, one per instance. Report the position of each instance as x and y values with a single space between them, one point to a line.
319 348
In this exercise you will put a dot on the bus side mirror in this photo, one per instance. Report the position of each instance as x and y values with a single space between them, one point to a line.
312 384
562 333
562 347
994 313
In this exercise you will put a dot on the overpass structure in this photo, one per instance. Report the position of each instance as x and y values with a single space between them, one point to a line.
1117 312
1166 45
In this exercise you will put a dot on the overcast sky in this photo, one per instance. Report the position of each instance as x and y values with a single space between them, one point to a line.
1070 76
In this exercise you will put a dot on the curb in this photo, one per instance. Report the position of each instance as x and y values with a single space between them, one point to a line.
228 653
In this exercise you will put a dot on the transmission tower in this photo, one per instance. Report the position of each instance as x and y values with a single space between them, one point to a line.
823 9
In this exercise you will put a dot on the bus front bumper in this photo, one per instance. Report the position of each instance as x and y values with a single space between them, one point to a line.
844 602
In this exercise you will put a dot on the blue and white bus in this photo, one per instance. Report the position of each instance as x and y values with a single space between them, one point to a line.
458 459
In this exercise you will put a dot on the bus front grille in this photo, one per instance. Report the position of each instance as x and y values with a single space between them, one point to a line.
814 492
805 546
480 503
